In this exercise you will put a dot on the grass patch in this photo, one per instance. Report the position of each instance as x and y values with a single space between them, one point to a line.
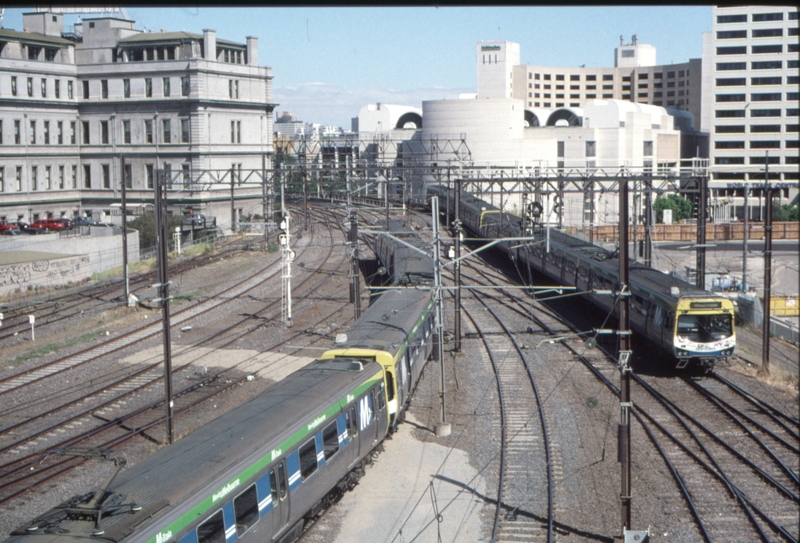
44 350
199 249
187 297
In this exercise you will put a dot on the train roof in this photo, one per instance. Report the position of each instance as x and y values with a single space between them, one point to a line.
406 265
641 276
198 465
386 324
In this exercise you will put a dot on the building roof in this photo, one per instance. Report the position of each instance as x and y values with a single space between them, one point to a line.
35 37
156 37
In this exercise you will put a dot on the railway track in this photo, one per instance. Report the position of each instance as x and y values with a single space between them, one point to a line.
115 416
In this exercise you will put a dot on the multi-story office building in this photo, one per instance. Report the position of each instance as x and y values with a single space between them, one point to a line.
635 77
750 110
71 107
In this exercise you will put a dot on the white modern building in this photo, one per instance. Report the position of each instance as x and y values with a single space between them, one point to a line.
72 107
750 68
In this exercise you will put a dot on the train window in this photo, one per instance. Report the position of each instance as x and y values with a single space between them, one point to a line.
330 439
245 509
381 397
365 410
282 479
212 530
308 458
273 485
352 426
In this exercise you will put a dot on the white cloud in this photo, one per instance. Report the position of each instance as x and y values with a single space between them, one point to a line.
331 105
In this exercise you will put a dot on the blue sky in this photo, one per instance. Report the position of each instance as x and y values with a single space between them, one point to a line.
328 62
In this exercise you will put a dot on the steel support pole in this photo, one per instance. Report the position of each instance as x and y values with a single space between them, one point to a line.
162 238
355 283
264 206
702 202
233 210
624 447
442 428
457 313
125 231
765 331
648 223
744 239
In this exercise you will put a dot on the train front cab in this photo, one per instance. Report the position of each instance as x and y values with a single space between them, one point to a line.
272 505
703 331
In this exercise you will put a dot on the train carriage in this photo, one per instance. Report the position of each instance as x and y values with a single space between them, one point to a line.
253 474
395 331
692 325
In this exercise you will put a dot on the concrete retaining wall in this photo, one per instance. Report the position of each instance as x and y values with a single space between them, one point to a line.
100 249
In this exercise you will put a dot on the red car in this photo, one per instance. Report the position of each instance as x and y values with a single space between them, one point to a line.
7 226
51 224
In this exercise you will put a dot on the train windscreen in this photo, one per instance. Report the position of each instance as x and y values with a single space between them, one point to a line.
705 328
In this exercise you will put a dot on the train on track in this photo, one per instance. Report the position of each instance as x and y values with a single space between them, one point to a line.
692 325
262 471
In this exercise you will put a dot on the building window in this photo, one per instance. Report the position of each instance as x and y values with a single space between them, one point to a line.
761 17
731 81
2 179
148 131
19 179
72 132
104 132
647 148
60 132
166 127
87 176
30 86
184 130
85 89
148 87
724 19
44 88
126 131
560 149
766 49
775 144
729 97
70 93
187 175
1 131
185 87
726 66
34 178
165 86
764 113
85 130
13 85
126 87
731 34
762 128
149 174
106 177
74 177
766 65
47 180
128 177
33 132
591 148
737 50
757 81
47 132
17 130
104 89
765 96
57 88
729 145
236 131
767 32
729 129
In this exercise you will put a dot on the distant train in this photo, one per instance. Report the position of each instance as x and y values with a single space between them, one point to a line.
692 325
259 472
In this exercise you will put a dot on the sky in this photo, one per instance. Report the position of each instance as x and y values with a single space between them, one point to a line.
328 62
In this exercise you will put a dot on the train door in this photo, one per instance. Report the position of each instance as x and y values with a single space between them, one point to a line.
353 443
278 515
366 420
401 372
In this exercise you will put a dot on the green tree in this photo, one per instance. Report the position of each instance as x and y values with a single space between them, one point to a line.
786 212
146 225
680 206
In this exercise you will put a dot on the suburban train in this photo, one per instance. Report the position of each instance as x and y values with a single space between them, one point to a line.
694 326
261 471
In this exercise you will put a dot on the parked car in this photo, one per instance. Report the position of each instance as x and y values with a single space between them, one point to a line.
52 224
85 221
5 225
11 232
32 231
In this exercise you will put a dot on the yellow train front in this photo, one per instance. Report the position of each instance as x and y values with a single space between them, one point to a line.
703 330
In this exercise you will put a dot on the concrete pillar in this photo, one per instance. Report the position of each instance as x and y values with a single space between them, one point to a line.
209 44
252 51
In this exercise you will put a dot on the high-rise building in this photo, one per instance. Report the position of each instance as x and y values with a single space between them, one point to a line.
72 104
750 108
